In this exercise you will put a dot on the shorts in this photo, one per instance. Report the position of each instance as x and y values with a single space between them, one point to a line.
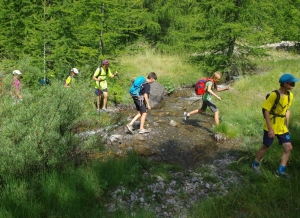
99 92
139 105
209 104
282 138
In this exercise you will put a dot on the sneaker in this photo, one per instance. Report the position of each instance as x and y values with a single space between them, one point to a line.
105 110
130 128
283 175
98 111
185 114
256 169
143 131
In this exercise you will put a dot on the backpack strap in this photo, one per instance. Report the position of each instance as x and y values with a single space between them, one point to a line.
276 102
272 111
141 87
212 80
100 72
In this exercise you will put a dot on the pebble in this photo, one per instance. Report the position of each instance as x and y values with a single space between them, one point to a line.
178 195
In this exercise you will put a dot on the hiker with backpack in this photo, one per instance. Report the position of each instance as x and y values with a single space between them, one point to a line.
276 109
71 79
45 81
140 91
100 76
207 86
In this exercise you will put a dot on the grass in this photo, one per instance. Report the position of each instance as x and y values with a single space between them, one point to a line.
82 191
74 192
171 70
258 196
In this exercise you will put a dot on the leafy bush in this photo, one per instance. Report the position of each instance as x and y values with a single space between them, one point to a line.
36 133
168 85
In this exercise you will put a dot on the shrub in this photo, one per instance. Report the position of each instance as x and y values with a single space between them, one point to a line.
37 132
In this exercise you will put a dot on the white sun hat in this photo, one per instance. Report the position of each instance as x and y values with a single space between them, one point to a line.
16 72
75 70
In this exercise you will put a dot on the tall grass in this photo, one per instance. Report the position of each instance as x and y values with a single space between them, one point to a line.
74 192
169 68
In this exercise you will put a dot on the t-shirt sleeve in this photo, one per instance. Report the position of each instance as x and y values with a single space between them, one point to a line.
146 89
109 73
208 83
270 101
68 80
97 72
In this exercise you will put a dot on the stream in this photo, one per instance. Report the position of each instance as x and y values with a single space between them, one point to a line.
190 144
171 139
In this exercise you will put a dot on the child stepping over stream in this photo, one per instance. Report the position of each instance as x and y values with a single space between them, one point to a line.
207 96
140 91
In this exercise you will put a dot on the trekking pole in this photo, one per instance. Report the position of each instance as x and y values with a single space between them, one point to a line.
196 101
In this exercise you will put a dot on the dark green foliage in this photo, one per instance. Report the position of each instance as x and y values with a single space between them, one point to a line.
287 20
37 132
69 32
220 35
223 34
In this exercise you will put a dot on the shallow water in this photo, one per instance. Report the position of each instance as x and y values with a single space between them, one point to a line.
188 143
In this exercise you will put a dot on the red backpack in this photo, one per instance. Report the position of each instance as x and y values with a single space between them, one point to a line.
200 85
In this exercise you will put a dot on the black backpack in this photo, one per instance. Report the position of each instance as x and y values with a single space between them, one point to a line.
275 104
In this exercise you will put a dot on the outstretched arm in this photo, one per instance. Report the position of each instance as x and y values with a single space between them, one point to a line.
222 89
212 92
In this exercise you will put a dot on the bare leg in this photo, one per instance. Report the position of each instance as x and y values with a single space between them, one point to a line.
217 121
143 118
287 149
98 102
195 112
135 118
261 152
105 96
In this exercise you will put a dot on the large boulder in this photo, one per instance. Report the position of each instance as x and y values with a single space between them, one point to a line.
157 92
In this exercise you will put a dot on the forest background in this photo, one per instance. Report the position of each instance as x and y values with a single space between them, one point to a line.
50 37
181 41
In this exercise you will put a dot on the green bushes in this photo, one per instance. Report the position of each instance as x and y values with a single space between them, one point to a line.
37 132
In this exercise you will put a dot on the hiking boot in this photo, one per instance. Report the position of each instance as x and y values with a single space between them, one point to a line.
143 131
130 128
256 169
185 114
283 175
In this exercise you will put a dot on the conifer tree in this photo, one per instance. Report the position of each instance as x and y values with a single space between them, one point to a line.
223 33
